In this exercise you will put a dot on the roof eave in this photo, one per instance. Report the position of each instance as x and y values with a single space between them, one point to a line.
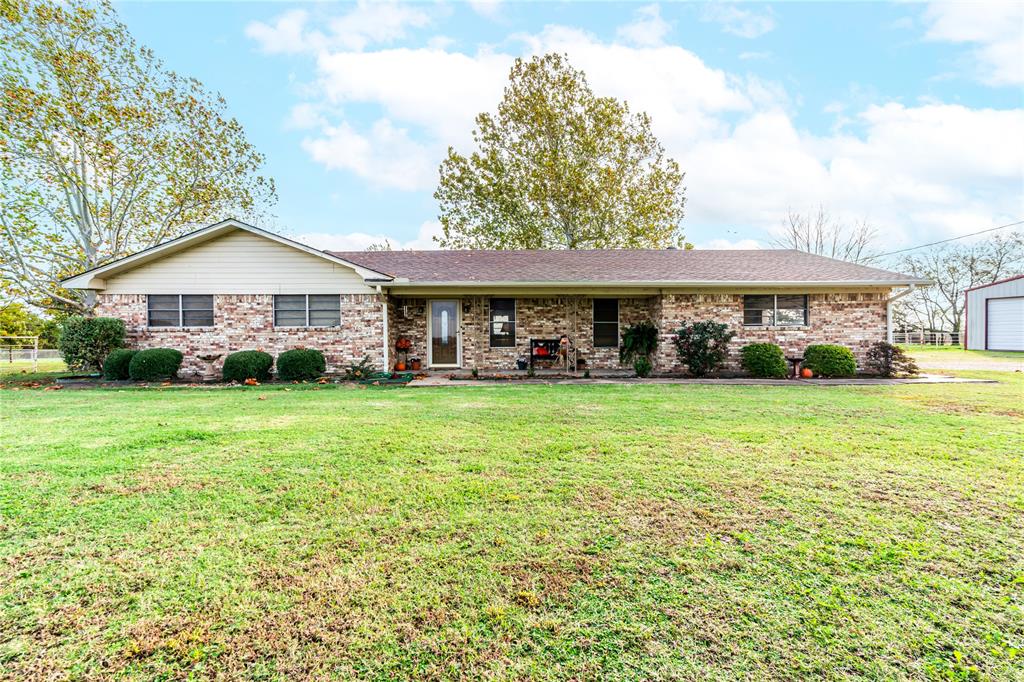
92 279
663 283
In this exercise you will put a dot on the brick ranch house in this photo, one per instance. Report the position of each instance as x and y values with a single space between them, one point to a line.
232 286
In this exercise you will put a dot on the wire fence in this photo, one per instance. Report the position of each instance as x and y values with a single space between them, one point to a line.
927 338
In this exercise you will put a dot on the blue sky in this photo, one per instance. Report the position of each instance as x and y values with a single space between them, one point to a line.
908 115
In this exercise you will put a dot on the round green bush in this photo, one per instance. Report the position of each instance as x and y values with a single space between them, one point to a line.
154 364
300 364
247 364
115 367
830 361
764 360
86 341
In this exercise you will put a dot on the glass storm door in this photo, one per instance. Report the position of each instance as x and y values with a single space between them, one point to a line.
444 333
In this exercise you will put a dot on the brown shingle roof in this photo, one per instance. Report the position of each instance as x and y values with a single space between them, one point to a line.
626 266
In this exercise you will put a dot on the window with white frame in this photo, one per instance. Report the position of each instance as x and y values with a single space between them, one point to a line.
775 310
307 310
180 310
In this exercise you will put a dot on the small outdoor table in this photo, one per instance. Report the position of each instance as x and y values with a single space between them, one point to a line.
795 361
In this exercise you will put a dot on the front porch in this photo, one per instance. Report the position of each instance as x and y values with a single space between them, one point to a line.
460 334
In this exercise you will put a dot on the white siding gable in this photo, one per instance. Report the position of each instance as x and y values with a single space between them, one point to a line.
239 263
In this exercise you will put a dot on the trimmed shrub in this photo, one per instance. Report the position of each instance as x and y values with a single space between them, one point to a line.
86 341
115 367
830 361
642 366
701 346
764 360
301 364
888 360
154 364
247 364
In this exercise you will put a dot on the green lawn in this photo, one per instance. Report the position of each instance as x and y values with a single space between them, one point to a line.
952 351
548 532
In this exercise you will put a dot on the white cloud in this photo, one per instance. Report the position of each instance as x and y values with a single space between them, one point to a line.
729 244
995 29
384 155
739 22
648 29
367 23
486 8
359 241
285 35
914 171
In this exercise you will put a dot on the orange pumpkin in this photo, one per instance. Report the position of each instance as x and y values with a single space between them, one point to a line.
806 373
400 366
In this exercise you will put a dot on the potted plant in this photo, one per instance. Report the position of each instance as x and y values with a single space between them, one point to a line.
639 341
402 345
415 364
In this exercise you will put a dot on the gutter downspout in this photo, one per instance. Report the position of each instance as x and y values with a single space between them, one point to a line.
888 310
384 303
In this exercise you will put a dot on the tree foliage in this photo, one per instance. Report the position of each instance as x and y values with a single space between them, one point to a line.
954 268
103 151
821 234
17 320
558 167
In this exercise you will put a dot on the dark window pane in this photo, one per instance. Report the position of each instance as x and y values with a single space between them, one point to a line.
324 310
197 302
324 302
290 318
197 318
759 310
290 302
606 322
503 322
163 302
606 334
606 310
163 318
290 310
325 318
791 310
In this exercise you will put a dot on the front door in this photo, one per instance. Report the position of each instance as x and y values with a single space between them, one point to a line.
444 334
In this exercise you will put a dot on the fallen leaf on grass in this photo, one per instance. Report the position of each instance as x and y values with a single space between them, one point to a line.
53 388
251 382
262 397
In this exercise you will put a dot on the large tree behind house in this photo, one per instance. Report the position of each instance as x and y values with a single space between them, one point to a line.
557 167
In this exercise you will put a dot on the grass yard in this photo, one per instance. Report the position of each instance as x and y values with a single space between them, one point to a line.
545 532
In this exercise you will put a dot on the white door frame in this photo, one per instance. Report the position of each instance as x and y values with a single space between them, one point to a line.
430 331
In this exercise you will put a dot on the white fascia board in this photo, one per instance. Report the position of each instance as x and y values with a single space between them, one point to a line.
665 284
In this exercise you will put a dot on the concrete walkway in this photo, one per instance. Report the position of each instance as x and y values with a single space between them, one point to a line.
444 380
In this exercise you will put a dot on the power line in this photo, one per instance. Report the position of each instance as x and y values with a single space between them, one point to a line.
951 239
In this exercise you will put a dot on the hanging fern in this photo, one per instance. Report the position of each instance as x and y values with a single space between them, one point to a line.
638 341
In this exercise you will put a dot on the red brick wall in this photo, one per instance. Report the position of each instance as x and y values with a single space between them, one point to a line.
854 320
246 322
242 322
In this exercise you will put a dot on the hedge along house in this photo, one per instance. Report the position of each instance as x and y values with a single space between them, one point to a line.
232 286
